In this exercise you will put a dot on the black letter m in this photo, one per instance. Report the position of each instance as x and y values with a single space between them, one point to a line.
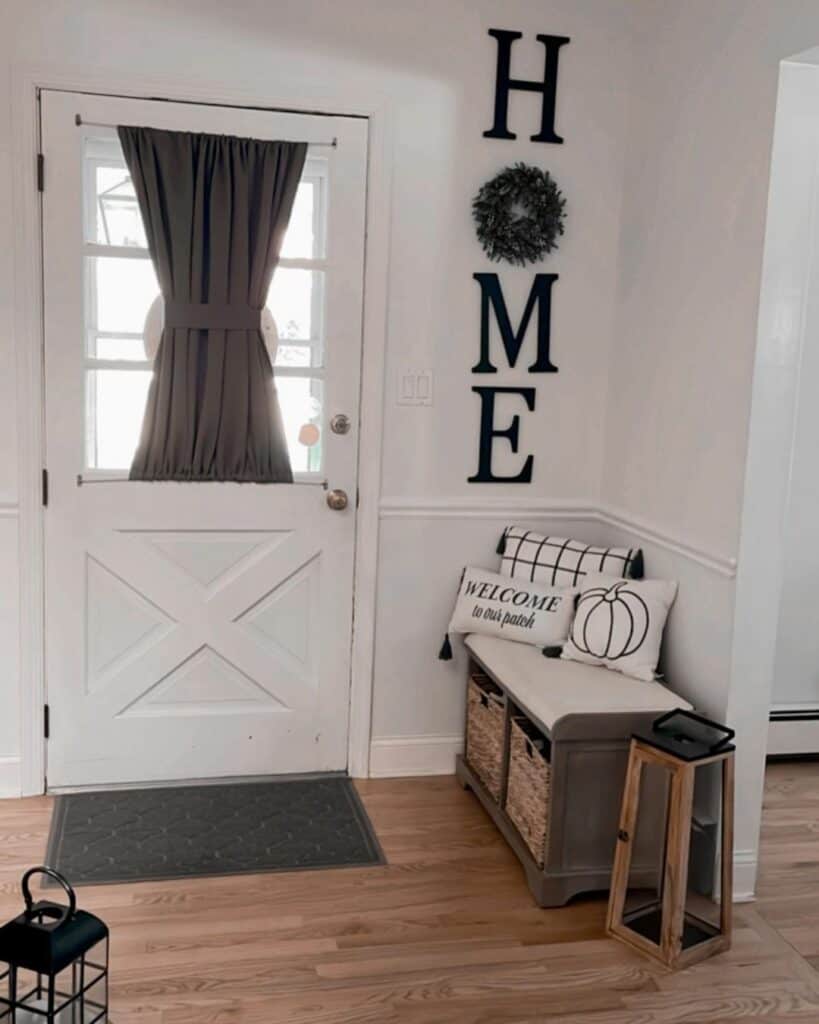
540 296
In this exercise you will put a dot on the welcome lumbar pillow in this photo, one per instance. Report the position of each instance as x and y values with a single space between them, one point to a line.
619 624
494 605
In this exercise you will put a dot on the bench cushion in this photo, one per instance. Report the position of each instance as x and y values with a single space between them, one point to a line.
551 688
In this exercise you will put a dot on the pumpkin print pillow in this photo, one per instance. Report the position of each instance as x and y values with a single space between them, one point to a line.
619 624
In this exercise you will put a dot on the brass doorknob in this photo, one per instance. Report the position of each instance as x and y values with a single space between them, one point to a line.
337 500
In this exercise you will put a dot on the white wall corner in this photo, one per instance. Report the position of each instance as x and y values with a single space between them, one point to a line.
745 868
397 756
10 777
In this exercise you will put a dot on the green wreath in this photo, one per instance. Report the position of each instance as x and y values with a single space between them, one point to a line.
519 215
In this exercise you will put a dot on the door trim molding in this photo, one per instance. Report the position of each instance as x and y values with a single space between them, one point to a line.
370 433
28 329
28 341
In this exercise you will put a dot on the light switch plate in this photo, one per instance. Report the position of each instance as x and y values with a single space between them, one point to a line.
414 387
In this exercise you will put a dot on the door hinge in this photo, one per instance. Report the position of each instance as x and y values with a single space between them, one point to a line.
46 721
40 172
45 488
357 497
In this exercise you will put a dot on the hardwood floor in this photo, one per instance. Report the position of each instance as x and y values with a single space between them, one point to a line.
446 932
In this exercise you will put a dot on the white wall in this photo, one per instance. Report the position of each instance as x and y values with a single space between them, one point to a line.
785 353
694 215
796 664
796 668
705 81
427 69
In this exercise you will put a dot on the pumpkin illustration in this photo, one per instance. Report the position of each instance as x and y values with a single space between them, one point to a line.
611 622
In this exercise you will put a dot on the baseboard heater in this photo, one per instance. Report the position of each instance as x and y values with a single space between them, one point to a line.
793 732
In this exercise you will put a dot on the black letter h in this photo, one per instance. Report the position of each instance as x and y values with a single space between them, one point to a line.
503 84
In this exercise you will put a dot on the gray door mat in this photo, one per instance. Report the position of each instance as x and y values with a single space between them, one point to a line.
281 824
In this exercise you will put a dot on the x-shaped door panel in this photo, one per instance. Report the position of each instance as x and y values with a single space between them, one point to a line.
235 610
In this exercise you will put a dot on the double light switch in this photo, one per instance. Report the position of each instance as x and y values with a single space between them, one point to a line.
415 387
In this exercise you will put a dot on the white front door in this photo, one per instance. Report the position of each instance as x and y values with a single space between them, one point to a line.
194 630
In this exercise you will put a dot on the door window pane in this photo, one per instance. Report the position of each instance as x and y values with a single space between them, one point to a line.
111 210
294 355
120 293
115 403
117 220
119 348
301 401
300 241
296 301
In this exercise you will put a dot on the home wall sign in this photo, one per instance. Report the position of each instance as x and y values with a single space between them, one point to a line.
501 209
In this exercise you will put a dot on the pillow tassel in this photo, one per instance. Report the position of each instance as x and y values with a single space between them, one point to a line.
445 653
552 652
501 548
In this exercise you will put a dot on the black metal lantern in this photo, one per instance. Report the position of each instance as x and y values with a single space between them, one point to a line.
53 961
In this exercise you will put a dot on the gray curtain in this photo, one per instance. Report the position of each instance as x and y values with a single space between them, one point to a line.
215 210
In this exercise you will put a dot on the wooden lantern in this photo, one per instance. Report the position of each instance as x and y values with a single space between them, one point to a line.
671 923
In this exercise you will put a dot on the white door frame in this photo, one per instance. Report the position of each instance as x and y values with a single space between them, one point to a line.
29 342
788 284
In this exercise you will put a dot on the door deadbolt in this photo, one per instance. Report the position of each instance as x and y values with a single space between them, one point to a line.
340 423
337 500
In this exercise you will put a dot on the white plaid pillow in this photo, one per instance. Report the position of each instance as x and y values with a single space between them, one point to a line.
561 561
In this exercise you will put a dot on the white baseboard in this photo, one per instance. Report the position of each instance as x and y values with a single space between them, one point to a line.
10 777
793 736
396 756
745 867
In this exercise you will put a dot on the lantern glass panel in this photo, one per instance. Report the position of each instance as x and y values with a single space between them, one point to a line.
5 995
80 993
702 896
642 909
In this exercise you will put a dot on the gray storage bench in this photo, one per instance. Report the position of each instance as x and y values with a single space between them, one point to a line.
546 752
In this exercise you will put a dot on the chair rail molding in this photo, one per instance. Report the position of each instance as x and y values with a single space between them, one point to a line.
724 565
485 508
547 509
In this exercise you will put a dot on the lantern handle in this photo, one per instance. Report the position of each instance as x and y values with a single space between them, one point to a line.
70 910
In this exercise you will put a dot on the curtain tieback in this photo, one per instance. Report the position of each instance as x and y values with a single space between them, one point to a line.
212 316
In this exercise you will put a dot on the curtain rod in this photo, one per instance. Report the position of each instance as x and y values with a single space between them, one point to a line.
83 481
78 121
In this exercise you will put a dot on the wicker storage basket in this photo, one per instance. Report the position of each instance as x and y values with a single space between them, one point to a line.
485 718
528 787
